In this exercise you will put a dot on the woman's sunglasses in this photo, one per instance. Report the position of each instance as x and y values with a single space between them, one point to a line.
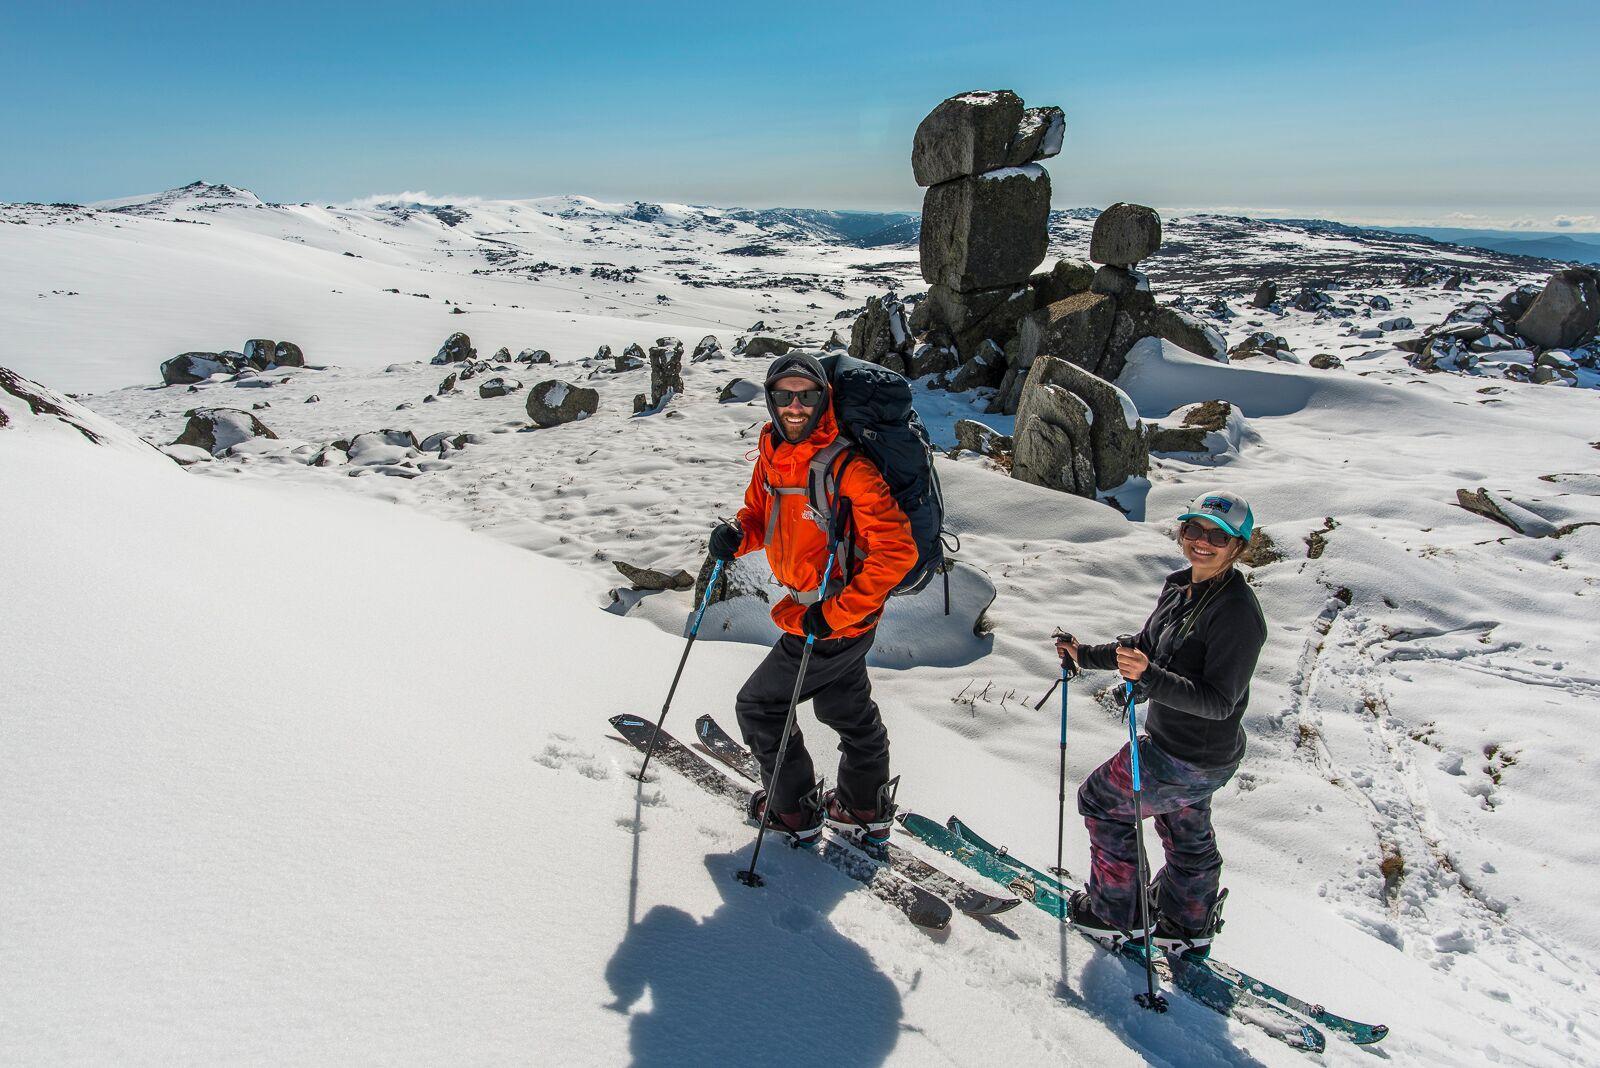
785 397
1213 536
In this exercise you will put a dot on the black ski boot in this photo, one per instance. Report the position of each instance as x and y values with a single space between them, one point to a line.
802 826
1172 937
1082 916
869 826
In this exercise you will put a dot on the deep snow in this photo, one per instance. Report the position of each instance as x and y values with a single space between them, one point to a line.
285 767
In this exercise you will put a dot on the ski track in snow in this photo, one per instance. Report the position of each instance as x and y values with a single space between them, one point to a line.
1427 694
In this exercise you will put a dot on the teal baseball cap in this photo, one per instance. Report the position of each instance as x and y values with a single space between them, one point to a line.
1227 510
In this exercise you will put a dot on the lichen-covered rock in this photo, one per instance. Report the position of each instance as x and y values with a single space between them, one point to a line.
1188 333
1199 420
498 387
457 348
1075 329
1124 234
288 354
646 578
260 353
984 440
216 430
1052 444
1039 135
554 402
708 349
533 356
1119 281
965 135
192 367
1118 443
768 347
666 370
1326 361
987 231
1566 313
1068 277
739 391
1266 295
973 318
986 368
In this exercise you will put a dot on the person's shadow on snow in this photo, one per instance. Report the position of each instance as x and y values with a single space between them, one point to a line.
765 979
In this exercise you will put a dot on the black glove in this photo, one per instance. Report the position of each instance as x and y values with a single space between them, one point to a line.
815 624
725 541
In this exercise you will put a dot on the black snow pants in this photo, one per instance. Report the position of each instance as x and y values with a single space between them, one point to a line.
836 684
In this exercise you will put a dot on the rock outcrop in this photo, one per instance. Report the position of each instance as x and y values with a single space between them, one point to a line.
216 430
457 348
554 402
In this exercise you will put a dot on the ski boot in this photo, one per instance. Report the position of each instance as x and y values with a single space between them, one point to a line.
1171 937
865 826
802 827
1082 916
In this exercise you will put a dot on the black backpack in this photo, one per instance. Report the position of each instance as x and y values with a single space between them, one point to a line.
872 406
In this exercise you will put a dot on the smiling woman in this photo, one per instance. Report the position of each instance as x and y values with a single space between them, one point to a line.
1193 662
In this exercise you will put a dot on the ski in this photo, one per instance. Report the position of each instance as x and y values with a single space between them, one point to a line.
969 899
919 906
1192 977
1362 1034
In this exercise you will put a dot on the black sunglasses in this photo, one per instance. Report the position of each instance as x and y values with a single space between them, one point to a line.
1214 536
785 397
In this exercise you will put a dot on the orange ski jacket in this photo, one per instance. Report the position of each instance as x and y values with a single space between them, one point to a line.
798 546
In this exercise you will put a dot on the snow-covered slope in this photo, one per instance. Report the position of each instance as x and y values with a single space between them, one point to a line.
292 763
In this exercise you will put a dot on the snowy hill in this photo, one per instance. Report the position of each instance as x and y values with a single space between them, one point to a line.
293 747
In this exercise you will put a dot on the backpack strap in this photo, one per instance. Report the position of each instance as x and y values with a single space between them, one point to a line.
824 474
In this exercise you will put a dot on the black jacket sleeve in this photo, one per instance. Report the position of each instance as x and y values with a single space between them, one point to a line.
1233 644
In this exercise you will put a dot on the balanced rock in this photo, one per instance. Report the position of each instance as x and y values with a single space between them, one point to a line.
457 348
965 135
217 430
1566 313
554 402
987 231
1124 234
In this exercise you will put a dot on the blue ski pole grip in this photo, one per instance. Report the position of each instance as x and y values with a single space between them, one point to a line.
822 587
1126 642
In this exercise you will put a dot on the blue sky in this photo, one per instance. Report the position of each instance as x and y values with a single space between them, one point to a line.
1464 114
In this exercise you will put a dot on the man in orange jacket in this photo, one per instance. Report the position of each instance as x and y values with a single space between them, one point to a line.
842 616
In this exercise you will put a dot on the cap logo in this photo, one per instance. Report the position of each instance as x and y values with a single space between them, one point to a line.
1221 504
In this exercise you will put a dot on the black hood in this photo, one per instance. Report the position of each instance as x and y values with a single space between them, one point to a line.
803 365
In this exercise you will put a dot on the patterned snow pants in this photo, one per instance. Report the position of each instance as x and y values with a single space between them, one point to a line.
1178 795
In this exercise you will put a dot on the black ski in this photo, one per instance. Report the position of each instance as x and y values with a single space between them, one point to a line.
919 906
964 896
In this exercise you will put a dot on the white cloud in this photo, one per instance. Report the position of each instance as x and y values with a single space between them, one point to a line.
422 196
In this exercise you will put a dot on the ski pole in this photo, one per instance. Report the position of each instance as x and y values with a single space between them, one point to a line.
748 876
1149 999
1068 671
705 602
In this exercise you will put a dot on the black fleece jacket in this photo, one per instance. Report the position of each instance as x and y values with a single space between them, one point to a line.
1198 682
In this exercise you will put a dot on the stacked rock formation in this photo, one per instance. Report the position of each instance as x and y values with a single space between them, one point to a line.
984 229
